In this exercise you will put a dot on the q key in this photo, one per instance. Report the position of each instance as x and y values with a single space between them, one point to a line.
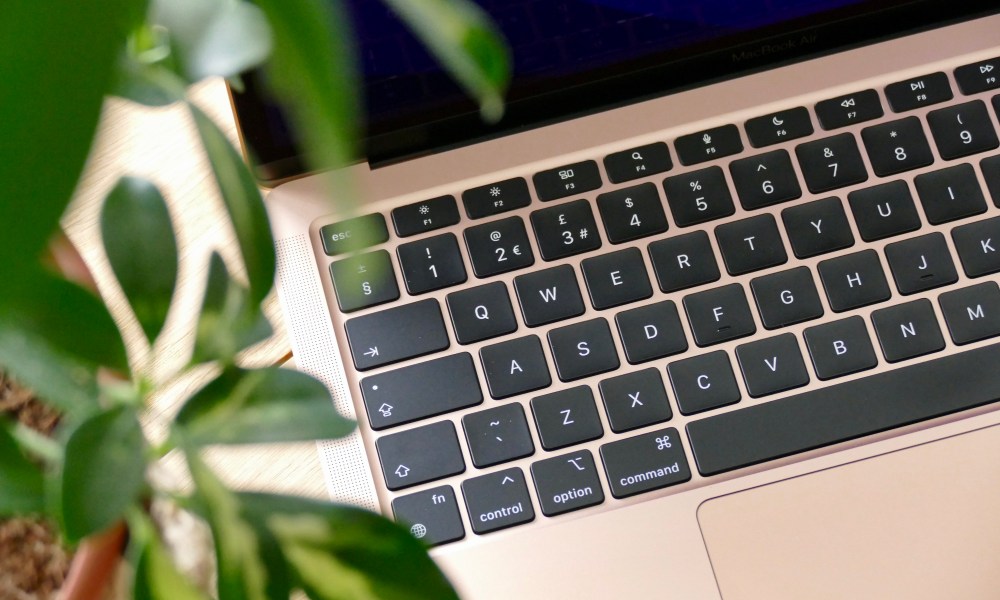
481 313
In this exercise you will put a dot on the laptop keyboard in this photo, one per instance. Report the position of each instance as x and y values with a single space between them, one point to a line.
642 324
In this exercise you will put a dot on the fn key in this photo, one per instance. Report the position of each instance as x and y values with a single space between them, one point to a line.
431 516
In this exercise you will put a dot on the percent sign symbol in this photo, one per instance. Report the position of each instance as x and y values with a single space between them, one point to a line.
695 185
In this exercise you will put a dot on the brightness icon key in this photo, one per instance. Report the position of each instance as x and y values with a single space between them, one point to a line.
496 198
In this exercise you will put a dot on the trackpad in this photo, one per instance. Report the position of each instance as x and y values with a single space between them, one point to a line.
918 523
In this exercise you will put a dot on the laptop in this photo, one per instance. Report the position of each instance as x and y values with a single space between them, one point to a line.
712 312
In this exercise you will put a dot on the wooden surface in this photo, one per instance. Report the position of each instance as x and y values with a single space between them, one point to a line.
161 144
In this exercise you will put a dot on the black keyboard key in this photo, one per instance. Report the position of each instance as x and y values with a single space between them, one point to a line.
719 315
708 145
703 383
765 180
950 194
918 92
353 234
637 162
568 180
645 463
515 367
977 245
496 198
778 127
566 417
831 163
772 365
786 298
854 280
635 400
549 295
616 278
817 227
565 230
632 213
973 313
921 263
698 196
991 173
907 330
978 77
651 332
840 348
422 390
498 247
884 210
683 261
421 217
497 435
364 280
849 109
431 263
396 334
497 501
567 483
583 349
481 313
897 146
962 130
750 244
419 455
431 515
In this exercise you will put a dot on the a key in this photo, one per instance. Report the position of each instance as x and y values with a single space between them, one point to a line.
353 234
972 313
784 125
772 365
698 196
498 247
583 349
765 180
431 515
719 315
897 146
977 244
616 278
918 91
962 130
849 109
651 332
907 330
978 77
567 483
497 435
566 417
481 313
921 263
431 264
703 382
683 261
950 194
637 162
708 145
497 501
421 217
515 367
644 463
854 280
817 227
565 230
364 280
991 173
632 213
831 163
884 210
549 295
568 180
396 334
419 455
750 244
840 348
496 198
786 298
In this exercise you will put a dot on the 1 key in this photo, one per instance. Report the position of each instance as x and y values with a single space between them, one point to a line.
431 264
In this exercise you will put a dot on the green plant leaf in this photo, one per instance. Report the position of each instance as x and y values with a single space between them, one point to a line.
244 204
56 377
103 473
156 576
228 322
22 486
261 406
463 37
140 244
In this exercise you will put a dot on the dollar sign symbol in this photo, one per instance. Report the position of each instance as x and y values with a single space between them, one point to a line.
629 203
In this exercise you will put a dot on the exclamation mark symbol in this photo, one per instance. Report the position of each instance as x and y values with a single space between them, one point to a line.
428 252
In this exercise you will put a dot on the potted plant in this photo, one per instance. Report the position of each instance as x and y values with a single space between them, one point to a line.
93 476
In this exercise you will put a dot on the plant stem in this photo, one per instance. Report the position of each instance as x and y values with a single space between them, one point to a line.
39 445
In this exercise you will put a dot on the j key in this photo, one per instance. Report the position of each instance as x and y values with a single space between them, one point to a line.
708 145
568 180
651 332
921 263
497 501
991 173
765 180
496 198
645 463
978 77
567 483
962 130
703 383
848 110
919 91
431 263
831 163
973 313
897 146
583 349
977 244
632 213
779 127
616 278
514 367
750 244
498 247
817 227
772 365
683 261
787 298
637 162
719 315
396 334
907 330
840 348
698 196
854 280
497 435
567 417
549 295
635 400
481 313
421 217
354 234
565 230
419 455
950 194
431 515
884 210
364 280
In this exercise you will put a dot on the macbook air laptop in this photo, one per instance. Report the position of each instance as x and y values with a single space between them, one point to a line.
712 312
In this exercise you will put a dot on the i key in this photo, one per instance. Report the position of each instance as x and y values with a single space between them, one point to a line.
897 146
950 194
565 230
431 264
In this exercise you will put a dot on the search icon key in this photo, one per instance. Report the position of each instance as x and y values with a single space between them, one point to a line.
636 156
638 162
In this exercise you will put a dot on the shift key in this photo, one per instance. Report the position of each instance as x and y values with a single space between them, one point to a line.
396 334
